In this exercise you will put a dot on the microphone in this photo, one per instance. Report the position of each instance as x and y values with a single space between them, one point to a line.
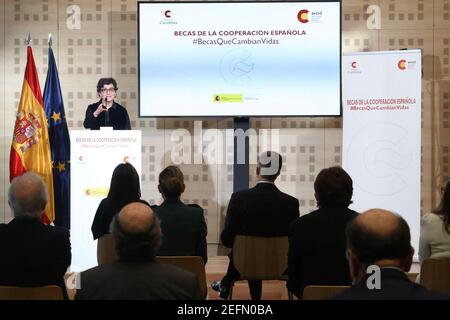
106 112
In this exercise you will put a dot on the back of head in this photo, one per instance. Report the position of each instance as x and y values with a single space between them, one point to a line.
105 81
171 182
137 233
27 196
333 187
444 206
269 165
378 235
125 186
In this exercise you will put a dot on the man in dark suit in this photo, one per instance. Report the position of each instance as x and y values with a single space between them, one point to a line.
262 211
379 253
317 240
32 254
136 275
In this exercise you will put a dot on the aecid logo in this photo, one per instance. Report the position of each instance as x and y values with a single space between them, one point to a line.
407 64
402 64
302 16
305 16
168 14
354 65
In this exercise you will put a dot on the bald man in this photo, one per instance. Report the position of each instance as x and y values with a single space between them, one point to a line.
32 254
136 275
379 253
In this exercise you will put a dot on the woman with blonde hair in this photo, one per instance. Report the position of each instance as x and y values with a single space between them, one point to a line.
183 226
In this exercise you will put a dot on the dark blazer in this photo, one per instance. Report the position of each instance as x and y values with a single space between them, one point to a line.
138 281
261 211
395 285
116 117
184 229
33 254
317 247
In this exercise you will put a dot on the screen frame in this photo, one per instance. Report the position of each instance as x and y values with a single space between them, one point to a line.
139 3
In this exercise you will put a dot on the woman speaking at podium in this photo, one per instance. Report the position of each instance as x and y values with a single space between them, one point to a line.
106 112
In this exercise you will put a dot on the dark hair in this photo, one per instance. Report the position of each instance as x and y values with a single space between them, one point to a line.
371 246
333 187
270 163
125 187
444 207
171 182
135 247
104 81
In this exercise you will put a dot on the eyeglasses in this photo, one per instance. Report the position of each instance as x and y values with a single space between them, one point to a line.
105 90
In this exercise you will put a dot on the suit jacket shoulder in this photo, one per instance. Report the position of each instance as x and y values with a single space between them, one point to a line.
184 229
395 285
33 254
316 241
57 231
151 280
262 211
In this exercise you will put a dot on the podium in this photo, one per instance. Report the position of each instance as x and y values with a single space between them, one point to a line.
94 155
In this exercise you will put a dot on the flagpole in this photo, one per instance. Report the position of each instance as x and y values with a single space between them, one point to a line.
28 40
50 40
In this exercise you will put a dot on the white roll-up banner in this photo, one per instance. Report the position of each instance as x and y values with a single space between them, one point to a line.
382 132
94 156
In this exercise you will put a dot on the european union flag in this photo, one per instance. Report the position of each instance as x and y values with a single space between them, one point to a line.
59 143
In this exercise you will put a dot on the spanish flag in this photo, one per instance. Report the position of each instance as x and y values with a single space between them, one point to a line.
30 148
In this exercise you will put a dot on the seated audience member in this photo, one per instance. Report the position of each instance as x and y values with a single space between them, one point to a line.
136 274
381 240
317 240
124 189
183 226
435 230
262 211
32 254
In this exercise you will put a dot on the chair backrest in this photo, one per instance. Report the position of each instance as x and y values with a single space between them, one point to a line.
194 264
322 292
31 293
260 258
412 276
435 274
106 252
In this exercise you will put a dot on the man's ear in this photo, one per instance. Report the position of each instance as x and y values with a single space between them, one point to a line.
43 210
354 265
183 188
407 263
159 188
